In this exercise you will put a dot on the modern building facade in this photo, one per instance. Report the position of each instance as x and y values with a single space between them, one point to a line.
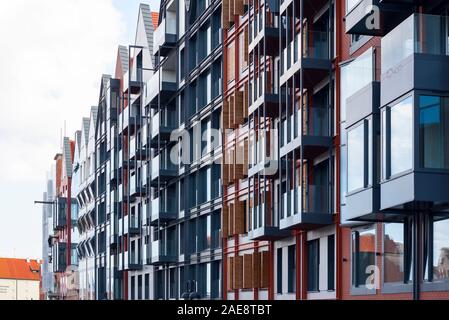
273 149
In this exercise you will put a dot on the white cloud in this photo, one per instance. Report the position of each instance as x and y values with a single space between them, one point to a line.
52 56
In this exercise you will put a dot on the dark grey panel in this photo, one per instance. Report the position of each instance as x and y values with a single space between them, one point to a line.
419 72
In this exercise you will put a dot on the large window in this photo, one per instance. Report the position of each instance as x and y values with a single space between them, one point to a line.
363 256
397 138
279 271
434 132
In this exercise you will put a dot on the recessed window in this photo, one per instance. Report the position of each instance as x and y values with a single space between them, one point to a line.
434 132
292 269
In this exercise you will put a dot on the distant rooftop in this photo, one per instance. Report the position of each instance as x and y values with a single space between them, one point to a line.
20 269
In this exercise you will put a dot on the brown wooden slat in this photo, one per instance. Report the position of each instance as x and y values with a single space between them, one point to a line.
238 272
256 270
239 218
248 271
230 274
264 272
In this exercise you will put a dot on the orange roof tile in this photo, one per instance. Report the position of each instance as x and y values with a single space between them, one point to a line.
19 269
155 17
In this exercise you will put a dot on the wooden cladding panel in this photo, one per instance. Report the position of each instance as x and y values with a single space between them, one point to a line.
239 217
238 108
239 7
256 270
225 14
238 272
225 221
231 273
265 264
231 62
248 271
231 8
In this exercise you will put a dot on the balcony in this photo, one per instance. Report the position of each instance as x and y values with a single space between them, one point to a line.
161 130
162 171
309 51
113 241
265 226
129 121
132 225
133 262
314 136
137 152
162 86
389 13
264 26
263 98
163 252
165 35
306 208
134 83
162 211
136 188
415 57
61 213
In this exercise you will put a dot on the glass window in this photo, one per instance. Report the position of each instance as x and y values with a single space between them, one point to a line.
331 263
394 248
434 132
401 140
363 256
356 156
440 250
313 267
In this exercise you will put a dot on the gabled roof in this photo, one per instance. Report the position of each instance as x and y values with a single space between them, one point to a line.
155 17
19 269
150 22
86 130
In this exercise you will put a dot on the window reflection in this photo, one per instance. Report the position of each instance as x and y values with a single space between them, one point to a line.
356 155
434 132
441 250
402 136
394 248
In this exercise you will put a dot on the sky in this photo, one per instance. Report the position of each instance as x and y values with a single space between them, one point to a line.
53 54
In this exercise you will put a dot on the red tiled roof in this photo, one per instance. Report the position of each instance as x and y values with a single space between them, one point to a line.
155 17
19 269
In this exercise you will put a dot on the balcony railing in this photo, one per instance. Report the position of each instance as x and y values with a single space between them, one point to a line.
163 252
163 211
305 207
419 33
165 35
162 83
162 169
161 128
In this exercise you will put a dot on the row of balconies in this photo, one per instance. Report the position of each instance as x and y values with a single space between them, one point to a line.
60 213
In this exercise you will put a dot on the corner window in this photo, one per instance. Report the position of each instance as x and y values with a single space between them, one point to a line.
434 132
363 257
397 138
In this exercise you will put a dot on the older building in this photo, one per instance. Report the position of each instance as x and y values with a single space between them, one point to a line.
20 279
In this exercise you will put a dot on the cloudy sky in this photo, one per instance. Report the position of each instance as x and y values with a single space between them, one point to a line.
52 56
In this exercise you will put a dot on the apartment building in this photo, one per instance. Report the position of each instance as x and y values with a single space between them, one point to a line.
394 125
184 101
269 149
63 241
83 190
20 279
